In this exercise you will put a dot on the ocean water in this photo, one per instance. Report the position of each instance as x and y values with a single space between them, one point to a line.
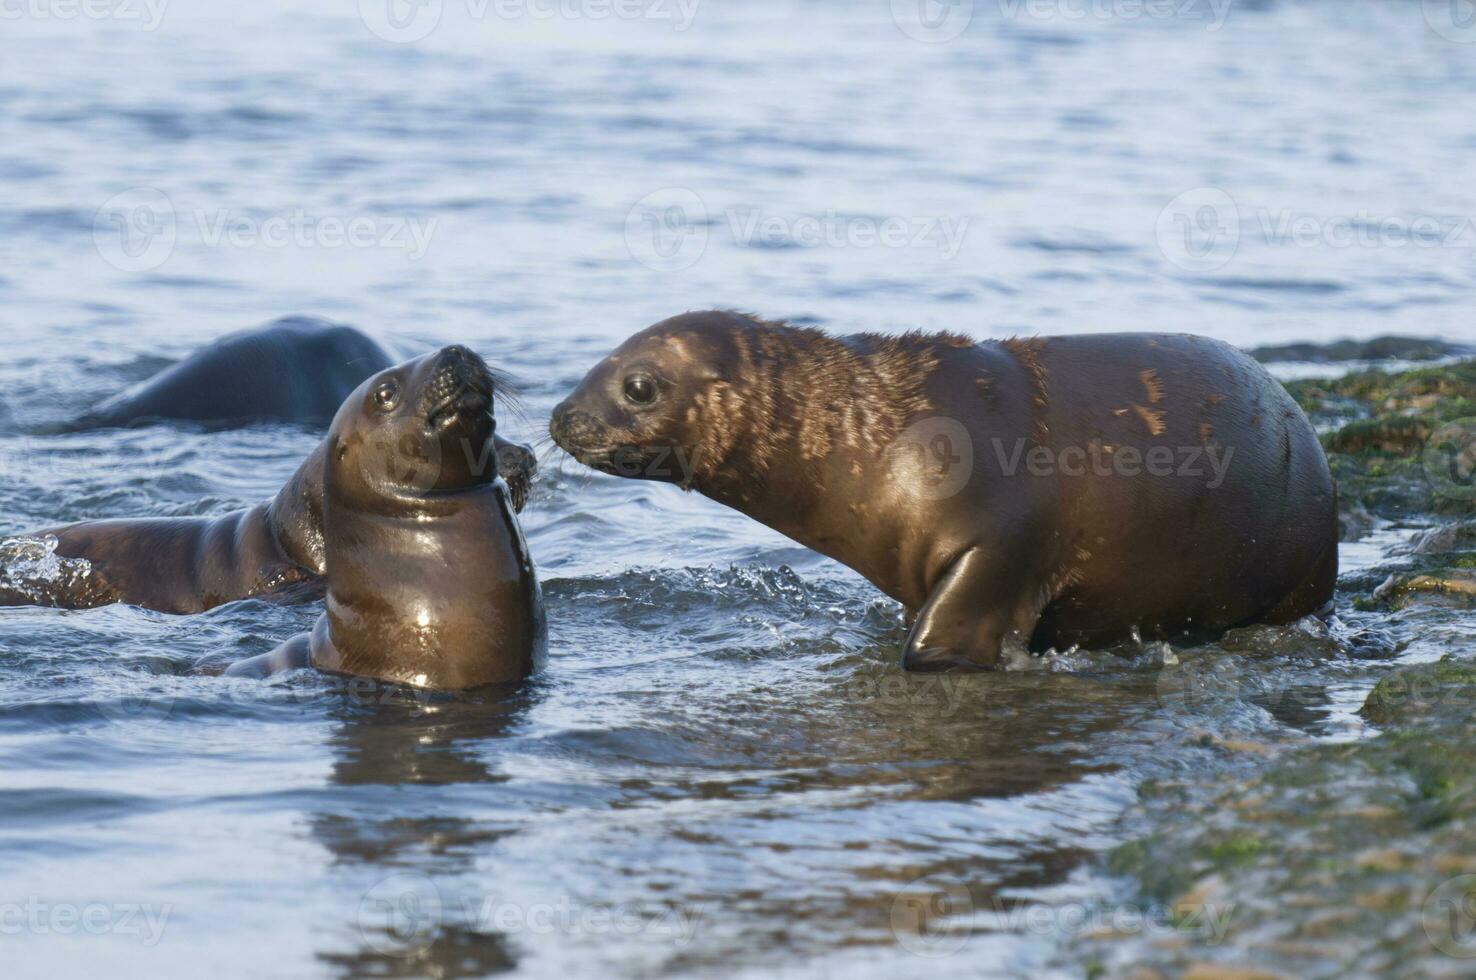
722 771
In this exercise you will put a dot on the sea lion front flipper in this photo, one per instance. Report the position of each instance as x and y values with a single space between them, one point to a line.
295 654
517 465
973 613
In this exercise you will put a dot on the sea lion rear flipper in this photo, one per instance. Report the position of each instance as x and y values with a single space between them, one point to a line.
295 654
972 614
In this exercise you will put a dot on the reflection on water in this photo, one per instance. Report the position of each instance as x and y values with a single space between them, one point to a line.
722 771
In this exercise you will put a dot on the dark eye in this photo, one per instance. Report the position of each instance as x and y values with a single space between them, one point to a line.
640 390
386 395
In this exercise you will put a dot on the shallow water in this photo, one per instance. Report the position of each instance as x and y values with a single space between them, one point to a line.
722 771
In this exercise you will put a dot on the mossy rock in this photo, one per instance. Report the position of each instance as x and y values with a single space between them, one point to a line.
1446 391
1377 426
1412 695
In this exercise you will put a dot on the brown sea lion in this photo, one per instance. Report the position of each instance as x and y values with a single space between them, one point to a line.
1042 492
429 579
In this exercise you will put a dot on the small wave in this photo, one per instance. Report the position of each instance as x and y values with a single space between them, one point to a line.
31 569
1311 287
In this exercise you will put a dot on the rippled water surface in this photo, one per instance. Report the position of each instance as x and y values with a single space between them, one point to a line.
722 770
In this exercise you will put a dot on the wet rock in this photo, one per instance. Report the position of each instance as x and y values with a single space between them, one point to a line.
1378 349
1399 590
1354 520
1444 539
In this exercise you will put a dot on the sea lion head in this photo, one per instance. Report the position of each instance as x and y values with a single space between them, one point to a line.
662 405
420 430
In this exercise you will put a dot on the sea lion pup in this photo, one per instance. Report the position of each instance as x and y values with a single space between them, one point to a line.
429 579
1043 492
191 564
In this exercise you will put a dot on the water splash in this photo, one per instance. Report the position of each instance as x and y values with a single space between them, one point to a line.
31 569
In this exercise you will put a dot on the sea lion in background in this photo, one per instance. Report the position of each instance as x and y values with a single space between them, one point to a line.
1042 492
429 579
297 369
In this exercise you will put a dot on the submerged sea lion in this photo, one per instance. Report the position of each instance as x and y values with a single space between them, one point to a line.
429 579
297 369
1043 492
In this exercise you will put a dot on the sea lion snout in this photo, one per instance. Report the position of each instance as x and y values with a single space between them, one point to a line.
460 384
577 432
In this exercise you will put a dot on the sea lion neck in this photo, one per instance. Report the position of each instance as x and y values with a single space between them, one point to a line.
792 398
